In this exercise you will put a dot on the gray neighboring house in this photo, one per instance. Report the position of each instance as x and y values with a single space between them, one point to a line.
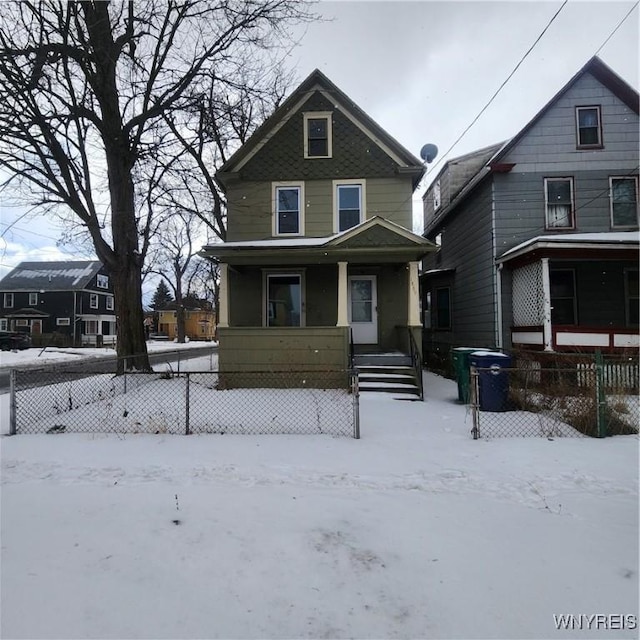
61 302
538 236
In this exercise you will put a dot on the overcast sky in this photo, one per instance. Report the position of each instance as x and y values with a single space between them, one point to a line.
425 69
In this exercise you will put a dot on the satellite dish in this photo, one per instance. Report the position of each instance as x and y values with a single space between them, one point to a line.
428 152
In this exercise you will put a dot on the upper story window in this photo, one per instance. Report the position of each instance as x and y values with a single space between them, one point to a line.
102 281
109 303
317 134
588 127
8 300
33 299
288 217
349 199
623 198
437 201
559 209
93 300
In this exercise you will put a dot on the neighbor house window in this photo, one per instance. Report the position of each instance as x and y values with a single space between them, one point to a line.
563 296
8 299
588 127
63 322
317 135
3 324
109 303
632 296
559 203
284 300
443 308
102 281
623 196
33 299
349 198
22 323
436 195
288 218
93 300
91 327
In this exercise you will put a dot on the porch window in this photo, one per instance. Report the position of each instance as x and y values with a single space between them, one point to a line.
563 296
588 127
3 324
623 196
93 300
91 327
443 308
632 296
559 203
22 323
317 135
33 299
287 213
284 300
8 300
348 204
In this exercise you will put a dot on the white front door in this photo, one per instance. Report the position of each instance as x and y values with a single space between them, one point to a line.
363 311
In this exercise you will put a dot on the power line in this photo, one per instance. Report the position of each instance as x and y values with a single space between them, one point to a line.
617 27
495 95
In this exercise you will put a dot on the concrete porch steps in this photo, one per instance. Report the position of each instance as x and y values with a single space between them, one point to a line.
386 373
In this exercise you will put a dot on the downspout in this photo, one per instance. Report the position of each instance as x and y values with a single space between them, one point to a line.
497 287
547 332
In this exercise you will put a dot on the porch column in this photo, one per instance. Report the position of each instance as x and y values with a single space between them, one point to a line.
413 310
343 316
223 295
547 334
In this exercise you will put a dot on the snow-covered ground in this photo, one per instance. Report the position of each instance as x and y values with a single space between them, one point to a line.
413 531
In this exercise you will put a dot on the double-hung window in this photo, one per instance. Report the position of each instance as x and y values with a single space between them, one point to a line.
623 197
317 134
563 296
8 300
33 299
284 300
93 300
288 213
102 281
110 303
559 209
588 127
349 198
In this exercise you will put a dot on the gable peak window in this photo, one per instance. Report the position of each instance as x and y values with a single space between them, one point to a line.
317 134
588 127
349 199
288 214
102 281
559 209
623 199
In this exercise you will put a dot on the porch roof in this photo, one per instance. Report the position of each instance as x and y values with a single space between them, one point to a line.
375 239
573 243
27 312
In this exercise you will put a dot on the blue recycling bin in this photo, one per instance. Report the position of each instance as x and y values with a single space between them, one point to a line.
493 379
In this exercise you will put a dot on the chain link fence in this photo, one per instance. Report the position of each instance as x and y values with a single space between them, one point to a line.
254 402
592 399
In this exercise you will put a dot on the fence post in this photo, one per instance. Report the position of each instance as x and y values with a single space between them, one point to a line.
601 402
355 389
473 402
12 402
186 412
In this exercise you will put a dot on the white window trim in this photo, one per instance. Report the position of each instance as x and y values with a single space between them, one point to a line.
102 281
363 200
63 322
32 297
437 196
596 145
265 293
92 297
4 324
22 323
318 115
7 297
547 226
613 224
110 303
86 328
274 208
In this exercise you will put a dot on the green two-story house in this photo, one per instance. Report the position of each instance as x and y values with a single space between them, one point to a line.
320 260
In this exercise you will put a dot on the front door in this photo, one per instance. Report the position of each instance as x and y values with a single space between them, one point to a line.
36 327
363 310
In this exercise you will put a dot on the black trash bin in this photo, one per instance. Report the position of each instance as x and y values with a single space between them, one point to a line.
493 379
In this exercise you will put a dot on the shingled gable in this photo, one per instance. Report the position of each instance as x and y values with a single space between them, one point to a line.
317 84
599 70
72 275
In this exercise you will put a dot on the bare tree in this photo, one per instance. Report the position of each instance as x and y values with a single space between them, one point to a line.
86 88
